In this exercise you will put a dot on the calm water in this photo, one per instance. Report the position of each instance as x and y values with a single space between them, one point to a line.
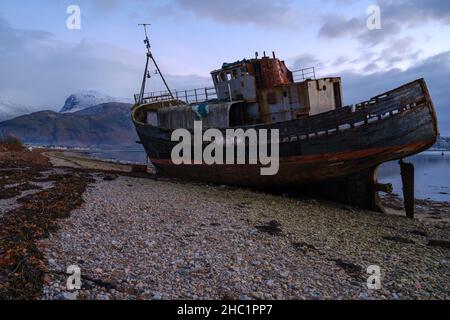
432 175
122 155
432 171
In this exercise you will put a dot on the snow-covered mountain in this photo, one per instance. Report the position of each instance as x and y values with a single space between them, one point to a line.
86 99
9 110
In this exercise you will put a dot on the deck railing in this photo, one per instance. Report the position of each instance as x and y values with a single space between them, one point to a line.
189 96
208 93
304 74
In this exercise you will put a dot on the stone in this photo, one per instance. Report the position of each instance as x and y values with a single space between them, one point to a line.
257 295
157 295
69 296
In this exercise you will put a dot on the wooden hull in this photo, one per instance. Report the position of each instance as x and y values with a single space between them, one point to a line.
391 126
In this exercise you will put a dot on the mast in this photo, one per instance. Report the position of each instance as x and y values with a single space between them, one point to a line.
150 57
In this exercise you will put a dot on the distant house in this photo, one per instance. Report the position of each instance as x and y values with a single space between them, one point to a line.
442 144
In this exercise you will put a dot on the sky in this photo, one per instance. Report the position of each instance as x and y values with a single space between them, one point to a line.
42 62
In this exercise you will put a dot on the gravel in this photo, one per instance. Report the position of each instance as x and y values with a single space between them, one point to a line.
137 238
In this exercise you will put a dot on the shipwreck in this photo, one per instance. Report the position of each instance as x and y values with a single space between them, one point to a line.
325 147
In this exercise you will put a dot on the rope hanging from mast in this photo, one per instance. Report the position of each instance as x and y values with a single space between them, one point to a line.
150 57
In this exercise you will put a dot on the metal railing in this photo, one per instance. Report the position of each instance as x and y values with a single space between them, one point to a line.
304 74
187 96
208 93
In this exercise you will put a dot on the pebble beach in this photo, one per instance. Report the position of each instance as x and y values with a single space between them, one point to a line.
148 238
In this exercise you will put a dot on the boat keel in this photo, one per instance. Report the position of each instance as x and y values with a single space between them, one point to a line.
360 190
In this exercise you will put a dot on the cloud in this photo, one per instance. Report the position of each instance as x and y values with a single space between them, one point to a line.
305 61
436 71
339 26
262 13
395 15
412 12
390 29
40 71
13 39
416 12
397 52
339 61
106 5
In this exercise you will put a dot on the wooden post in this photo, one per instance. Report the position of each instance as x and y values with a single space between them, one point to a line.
407 171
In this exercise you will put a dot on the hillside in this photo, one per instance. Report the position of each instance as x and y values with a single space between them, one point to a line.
104 125
442 144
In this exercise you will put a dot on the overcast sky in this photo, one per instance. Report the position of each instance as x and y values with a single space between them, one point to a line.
42 62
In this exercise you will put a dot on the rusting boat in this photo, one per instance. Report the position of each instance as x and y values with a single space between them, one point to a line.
324 146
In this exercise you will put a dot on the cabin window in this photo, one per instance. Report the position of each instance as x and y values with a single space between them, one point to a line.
222 76
216 78
235 75
228 76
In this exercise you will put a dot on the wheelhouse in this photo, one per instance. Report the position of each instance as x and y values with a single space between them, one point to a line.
247 92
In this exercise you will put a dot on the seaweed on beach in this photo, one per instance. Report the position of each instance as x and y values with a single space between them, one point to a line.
304 247
273 228
22 266
12 192
353 270
398 239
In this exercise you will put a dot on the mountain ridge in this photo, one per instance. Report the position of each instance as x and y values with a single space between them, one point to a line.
107 124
